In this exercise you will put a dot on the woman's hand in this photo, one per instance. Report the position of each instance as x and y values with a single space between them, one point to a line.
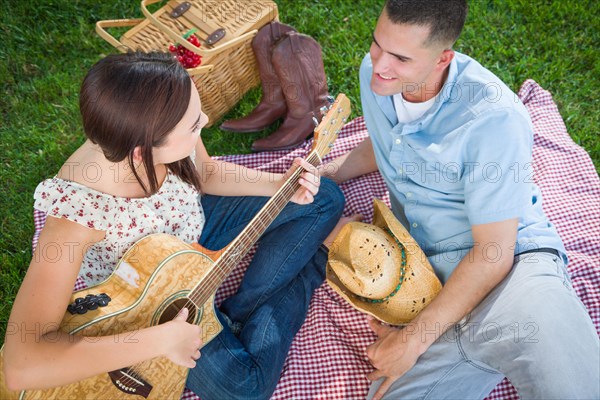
309 181
183 341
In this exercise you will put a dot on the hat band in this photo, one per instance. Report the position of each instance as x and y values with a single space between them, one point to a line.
402 273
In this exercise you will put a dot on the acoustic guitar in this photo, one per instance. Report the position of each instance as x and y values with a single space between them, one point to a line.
157 277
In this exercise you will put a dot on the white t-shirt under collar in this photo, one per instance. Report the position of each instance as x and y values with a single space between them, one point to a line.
409 112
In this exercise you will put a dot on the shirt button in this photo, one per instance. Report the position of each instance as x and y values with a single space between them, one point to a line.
415 225
398 141
400 170
409 194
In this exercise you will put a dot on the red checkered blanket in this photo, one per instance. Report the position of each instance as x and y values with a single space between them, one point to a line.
327 358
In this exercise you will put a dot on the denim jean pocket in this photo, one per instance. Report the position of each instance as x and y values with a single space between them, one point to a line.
568 283
561 270
464 321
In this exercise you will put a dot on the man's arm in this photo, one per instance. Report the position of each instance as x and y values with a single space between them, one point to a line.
359 161
487 264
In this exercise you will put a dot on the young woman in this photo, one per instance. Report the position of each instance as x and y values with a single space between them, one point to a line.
142 170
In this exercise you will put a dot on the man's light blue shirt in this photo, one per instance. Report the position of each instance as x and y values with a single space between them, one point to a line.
466 161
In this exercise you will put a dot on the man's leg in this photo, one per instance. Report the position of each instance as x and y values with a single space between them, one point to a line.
537 332
443 372
531 328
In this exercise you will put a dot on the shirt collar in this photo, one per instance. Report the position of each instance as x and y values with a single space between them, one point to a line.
448 88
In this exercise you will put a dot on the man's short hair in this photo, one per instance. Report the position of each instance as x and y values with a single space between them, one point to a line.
445 18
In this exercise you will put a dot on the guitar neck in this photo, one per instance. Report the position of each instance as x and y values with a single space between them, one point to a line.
242 244
325 135
261 221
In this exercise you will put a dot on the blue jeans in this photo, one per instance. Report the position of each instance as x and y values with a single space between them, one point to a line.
272 300
532 328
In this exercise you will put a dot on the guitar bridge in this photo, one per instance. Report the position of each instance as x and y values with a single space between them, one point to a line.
129 382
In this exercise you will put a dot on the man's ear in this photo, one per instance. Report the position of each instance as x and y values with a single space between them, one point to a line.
445 58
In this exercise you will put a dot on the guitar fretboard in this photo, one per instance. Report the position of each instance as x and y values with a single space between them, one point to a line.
241 245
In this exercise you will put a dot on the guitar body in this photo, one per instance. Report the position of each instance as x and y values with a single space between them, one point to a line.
148 287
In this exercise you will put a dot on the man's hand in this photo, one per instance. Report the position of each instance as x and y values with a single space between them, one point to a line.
392 354
480 270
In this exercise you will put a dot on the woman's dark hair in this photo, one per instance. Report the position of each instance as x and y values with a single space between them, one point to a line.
136 99
445 18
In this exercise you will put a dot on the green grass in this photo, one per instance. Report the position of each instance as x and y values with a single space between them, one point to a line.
48 45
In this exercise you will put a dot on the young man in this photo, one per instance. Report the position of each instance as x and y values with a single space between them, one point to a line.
453 144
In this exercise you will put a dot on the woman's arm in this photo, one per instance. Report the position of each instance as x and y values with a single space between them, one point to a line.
37 356
227 179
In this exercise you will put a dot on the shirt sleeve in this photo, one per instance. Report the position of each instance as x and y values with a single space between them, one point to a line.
497 167
59 199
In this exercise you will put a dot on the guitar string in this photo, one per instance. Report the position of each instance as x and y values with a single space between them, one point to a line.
290 187
319 147
191 304
211 284
262 224
227 259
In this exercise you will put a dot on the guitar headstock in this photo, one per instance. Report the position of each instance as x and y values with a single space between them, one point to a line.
336 115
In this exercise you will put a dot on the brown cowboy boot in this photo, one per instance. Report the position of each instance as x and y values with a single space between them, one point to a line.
272 104
298 63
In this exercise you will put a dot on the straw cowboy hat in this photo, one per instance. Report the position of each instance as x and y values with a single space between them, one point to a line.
380 269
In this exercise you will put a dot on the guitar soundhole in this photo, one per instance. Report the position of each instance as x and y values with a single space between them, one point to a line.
173 309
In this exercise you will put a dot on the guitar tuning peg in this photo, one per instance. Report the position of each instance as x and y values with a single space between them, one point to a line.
330 99
315 121
323 110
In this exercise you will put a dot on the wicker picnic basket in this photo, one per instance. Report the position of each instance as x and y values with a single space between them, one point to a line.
228 68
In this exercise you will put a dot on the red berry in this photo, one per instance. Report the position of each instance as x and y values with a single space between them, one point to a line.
194 40
187 58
